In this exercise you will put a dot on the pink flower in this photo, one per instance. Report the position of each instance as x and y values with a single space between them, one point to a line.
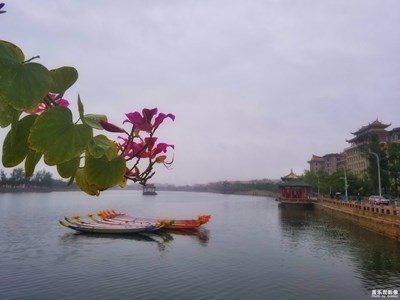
152 151
144 121
41 107
145 149
59 102
62 102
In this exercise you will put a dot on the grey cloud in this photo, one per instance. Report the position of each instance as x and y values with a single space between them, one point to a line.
257 86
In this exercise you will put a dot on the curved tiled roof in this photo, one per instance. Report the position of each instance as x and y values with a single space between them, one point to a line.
294 183
374 124
291 176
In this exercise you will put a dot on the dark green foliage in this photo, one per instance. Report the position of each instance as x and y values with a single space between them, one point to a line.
394 167
231 187
334 183
17 180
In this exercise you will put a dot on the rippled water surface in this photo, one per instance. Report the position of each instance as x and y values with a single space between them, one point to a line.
250 249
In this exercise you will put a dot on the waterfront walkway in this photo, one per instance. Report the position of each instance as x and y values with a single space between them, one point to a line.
384 219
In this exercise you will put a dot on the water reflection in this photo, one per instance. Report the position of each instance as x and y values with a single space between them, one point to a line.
376 257
162 238
294 217
202 235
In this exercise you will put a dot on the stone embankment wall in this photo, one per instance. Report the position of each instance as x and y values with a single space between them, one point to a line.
384 219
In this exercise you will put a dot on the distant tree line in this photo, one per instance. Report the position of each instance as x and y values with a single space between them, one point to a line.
17 179
232 187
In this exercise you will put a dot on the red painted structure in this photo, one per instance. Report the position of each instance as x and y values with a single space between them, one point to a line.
294 191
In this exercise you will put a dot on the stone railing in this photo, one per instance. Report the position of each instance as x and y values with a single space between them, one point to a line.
384 219
385 212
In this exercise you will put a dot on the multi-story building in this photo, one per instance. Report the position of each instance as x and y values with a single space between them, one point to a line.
357 158
317 163
328 163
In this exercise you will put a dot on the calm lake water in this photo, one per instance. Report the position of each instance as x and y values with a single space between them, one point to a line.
250 249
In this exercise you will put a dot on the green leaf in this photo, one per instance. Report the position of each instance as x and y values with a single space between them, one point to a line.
15 146
31 161
23 86
84 185
93 120
80 108
10 56
104 173
9 51
62 79
101 145
123 182
7 114
14 124
69 168
90 119
57 137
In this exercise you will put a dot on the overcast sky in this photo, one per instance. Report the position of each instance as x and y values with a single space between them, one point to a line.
257 87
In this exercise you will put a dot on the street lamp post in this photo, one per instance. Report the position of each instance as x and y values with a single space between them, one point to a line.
345 185
379 172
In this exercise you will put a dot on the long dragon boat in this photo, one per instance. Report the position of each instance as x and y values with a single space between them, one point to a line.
111 221
109 227
112 215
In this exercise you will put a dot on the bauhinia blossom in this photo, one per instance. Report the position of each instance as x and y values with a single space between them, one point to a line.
139 145
145 149
145 122
129 148
153 150
41 107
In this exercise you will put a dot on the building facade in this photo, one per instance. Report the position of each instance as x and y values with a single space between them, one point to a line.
357 154
355 157
329 163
